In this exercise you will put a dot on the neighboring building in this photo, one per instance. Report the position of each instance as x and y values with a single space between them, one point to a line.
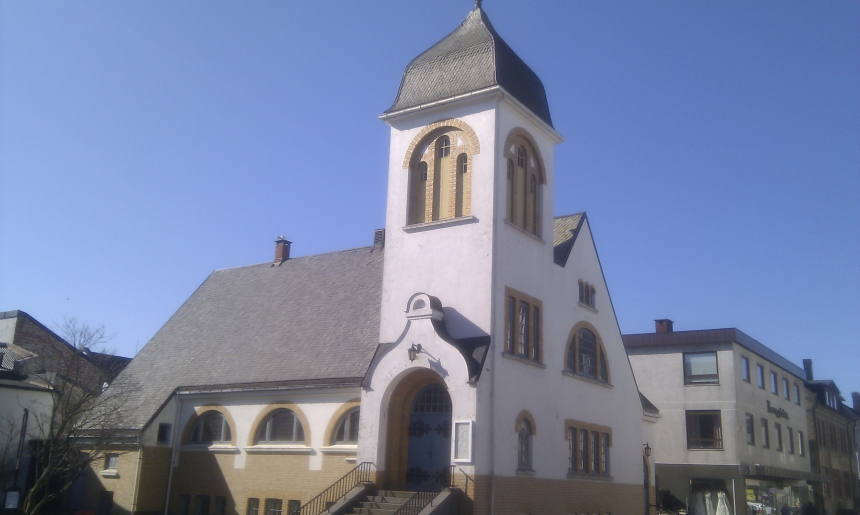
733 423
855 399
476 335
832 445
33 361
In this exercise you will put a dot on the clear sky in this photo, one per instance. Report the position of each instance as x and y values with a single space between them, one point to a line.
714 145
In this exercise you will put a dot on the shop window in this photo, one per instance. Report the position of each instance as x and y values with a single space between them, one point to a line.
281 426
704 430
523 326
710 496
700 368
745 368
211 427
750 427
253 506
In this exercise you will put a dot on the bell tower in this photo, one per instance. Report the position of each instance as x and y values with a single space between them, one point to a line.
460 103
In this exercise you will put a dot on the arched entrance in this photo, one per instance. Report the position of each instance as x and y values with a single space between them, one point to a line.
429 436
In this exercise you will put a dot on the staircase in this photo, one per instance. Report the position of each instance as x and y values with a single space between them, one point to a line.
385 502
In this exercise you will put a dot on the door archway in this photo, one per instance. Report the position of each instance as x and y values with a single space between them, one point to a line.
429 436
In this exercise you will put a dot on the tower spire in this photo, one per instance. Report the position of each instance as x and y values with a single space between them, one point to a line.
477 4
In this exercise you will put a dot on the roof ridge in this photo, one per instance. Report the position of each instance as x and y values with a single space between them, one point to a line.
298 257
569 215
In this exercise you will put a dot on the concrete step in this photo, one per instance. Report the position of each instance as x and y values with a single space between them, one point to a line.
381 505
395 493
400 499
374 511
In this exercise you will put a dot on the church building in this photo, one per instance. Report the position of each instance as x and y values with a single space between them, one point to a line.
474 344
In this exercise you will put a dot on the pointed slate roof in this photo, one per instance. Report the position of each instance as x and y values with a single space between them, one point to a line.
565 229
471 58
310 320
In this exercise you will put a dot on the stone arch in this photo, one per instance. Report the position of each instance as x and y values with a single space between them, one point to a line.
267 410
525 414
600 348
471 138
199 411
511 140
399 408
332 424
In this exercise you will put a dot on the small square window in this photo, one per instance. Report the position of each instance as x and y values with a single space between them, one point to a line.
164 433
111 461
700 368
704 430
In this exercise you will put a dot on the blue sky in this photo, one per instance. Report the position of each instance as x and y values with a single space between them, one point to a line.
714 145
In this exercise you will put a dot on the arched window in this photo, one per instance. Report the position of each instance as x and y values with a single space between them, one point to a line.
281 426
432 399
211 427
439 185
347 428
524 181
586 356
524 445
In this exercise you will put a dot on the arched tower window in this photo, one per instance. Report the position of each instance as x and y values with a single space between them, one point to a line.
524 182
440 187
524 447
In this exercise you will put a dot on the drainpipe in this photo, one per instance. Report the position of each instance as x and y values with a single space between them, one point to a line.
493 285
173 451
137 477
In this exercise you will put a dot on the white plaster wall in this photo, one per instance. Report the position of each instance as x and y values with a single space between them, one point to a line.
13 402
168 414
318 406
7 330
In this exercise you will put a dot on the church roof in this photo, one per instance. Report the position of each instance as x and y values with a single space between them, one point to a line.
471 58
311 320
565 229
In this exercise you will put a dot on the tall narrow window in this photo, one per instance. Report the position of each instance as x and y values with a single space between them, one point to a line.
522 208
462 169
785 391
774 387
253 506
777 428
790 440
604 454
419 194
512 192
602 374
441 179
534 215
797 394
745 368
595 452
750 423
765 435
524 454
524 329
571 449
800 443
536 330
760 373
512 321
582 445
587 344
274 506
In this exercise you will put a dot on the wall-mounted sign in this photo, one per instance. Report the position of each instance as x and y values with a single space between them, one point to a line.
779 412
463 441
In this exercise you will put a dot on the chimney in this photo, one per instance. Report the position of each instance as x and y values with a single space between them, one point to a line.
282 250
379 239
807 367
663 325
855 396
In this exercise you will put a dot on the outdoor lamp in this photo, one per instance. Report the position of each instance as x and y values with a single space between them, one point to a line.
647 450
414 351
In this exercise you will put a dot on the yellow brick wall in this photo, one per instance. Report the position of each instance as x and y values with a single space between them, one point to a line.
122 485
279 476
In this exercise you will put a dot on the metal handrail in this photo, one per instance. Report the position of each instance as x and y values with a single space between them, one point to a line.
427 493
360 474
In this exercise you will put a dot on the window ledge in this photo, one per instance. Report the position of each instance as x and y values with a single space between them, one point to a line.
525 471
527 233
586 306
340 449
440 223
586 379
697 449
589 477
109 473
523 359
217 449
702 384
279 449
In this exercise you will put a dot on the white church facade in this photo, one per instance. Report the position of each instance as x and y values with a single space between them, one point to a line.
474 345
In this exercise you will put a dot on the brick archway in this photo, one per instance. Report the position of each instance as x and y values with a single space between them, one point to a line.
397 442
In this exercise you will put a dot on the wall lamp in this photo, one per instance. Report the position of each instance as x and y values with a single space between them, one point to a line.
647 450
414 351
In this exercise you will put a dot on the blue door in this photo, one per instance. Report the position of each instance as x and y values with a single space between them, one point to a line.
429 436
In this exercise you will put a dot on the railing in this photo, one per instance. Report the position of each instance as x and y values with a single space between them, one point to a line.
360 474
427 493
